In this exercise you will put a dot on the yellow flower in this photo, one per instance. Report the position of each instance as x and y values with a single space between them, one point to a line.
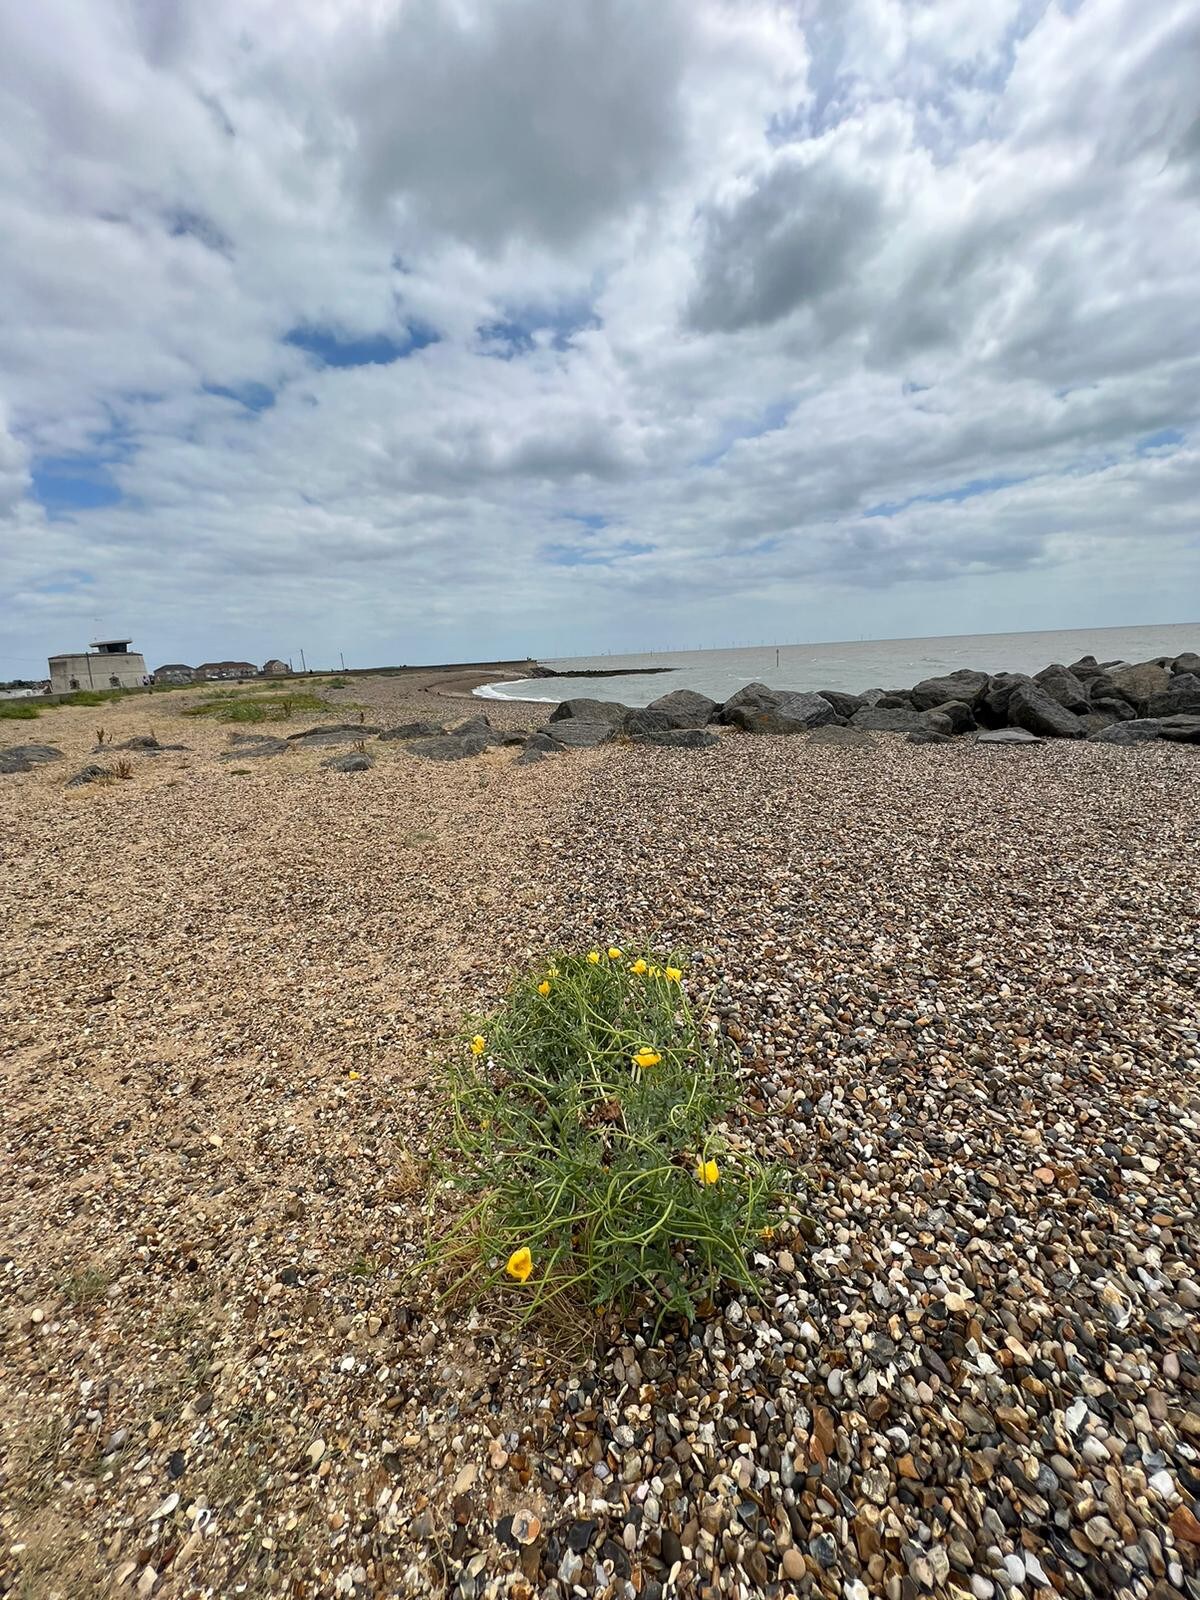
673 974
552 972
613 953
544 987
766 1233
707 1171
520 1265
646 1057
478 1045
594 957
354 1076
639 966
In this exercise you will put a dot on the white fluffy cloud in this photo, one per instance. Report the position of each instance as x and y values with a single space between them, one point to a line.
440 328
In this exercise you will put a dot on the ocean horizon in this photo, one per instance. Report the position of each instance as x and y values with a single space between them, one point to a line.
850 665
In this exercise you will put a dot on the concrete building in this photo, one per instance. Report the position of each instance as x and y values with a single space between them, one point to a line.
108 664
174 672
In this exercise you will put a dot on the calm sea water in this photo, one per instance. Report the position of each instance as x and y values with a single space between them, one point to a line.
853 667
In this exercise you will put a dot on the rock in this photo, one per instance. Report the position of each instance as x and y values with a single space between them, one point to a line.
1184 1525
24 757
1140 731
530 758
578 733
992 708
1030 707
751 697
792 713
1182 694
964 685
1189 661
643 720
88 774
1061 684
358 762
1139 684
543 744
584 710
794 1566
684 708
413 730
449 747
476 727
843 738
890 719
1086 667
1095 721
1181 730
844 704
681 738
335 733
928 736
140 741
957 714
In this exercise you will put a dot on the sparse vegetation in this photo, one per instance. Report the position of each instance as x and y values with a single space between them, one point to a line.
86 1287
586 1135
257 708
18 711
122 768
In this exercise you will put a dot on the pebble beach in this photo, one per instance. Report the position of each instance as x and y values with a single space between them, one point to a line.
962 985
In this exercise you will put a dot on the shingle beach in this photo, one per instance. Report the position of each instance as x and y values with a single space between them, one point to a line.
964 983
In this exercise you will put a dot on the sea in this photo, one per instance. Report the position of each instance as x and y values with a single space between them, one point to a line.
852 665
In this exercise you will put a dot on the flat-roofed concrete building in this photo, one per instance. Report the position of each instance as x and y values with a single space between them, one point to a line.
108 664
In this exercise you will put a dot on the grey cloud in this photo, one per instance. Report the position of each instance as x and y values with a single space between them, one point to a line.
796 239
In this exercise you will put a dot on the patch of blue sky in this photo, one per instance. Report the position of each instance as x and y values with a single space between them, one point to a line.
331 349
733 431
66 484
587 519
254 396
962 491
1164 439
524 328
565 555
185 224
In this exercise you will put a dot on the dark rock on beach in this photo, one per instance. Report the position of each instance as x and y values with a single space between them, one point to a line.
1139 684
844 704
964 685
928 736
413 730
1061 684
1139 731
24 757
89 774
358 762
582 733
1008 736
335 733
1182 695
1181 729
584 710
643 720
685 708
791 713
890 719
254 745
1031 707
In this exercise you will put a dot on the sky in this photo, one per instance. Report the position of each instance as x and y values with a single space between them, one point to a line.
424 330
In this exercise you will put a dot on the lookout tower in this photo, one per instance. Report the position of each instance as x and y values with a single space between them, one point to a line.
107 664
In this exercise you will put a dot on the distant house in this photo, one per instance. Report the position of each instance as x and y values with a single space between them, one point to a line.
276 669
209 671
175 672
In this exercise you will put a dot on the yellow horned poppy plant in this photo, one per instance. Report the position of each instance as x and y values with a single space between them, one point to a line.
674 974
613 953
594 957
478 1045
544 987
639 966
646 1057
707 1171
519 1265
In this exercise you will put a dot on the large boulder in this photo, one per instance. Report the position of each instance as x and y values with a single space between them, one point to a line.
1061 684
1086 667
1112 706
356 761
992 707
793 713
1180 730
585 710
1182 695
1140 683
751 697
89 774
680 738
964 685
644 719
476 727
844 704
1140 731
957 714
890 719
1030 707
1189 661
543 744
579 733
413 730
334 733
685 708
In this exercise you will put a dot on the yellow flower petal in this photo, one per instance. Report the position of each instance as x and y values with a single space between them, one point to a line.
673 974
544 987
552 972
354 1076
594 957
520 1264
478 1045
639 966
645 1057
613 953
707 1171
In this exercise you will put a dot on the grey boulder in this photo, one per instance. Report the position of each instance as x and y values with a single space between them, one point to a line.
844 704
890 719
584 710
1007 736
957 714
1189 661
24 757
357 762
88 774
792 713
1181 696
992 709
1061 684
335 733
1140 683
1180 730
579 733
1031 708
413 730
644 719
1140 731
685 708
964 684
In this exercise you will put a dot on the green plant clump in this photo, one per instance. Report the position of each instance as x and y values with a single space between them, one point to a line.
17 711
261 708
584 1121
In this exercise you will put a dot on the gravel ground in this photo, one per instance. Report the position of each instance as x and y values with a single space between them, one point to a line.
964 985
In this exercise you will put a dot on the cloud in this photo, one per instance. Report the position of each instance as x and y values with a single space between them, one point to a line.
448 328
